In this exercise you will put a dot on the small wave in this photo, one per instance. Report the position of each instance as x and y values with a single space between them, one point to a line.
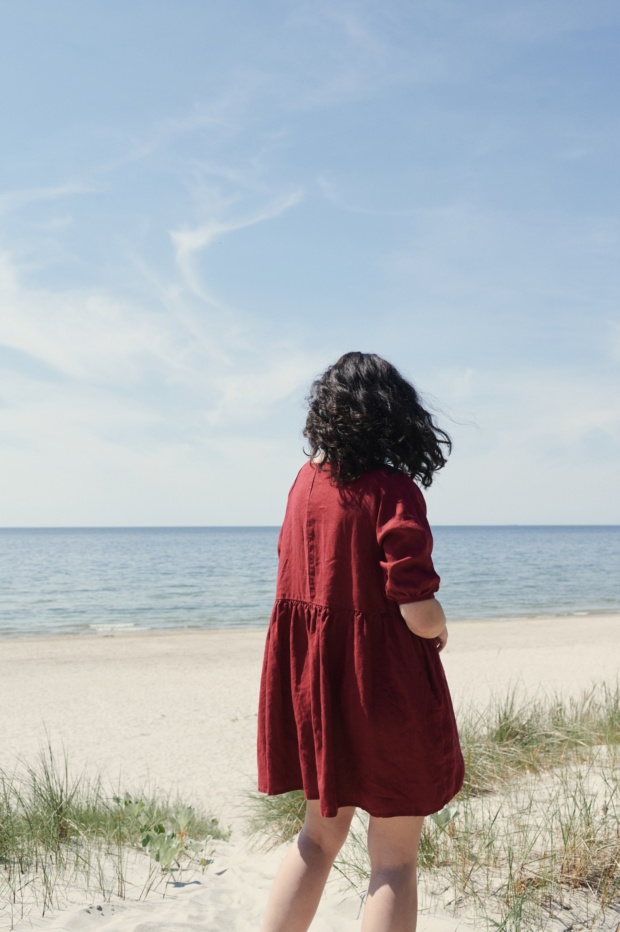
120 626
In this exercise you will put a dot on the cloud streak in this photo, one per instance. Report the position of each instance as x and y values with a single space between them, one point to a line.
189 242
12 201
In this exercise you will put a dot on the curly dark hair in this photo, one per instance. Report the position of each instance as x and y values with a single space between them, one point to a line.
363 415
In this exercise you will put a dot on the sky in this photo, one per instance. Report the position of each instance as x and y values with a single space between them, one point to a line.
203 205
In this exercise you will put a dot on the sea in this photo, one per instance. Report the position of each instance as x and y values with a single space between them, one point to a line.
59 581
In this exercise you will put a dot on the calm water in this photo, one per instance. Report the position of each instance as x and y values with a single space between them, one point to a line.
59 581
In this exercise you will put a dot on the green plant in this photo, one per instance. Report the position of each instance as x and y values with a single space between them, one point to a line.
59 830
169 838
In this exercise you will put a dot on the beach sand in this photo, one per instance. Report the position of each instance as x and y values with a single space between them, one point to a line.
177 713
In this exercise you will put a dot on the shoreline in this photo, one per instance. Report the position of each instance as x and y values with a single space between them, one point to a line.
122 631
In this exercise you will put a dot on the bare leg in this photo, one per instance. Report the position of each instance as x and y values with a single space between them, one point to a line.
299 883
392 903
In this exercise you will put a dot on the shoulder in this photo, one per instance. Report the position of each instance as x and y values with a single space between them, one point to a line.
390 479
394 488
300 478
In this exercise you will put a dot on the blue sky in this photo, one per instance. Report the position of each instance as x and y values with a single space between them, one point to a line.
202 205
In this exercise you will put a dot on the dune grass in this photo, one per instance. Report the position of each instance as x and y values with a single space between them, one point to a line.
534 835
60 831
516 735
273 820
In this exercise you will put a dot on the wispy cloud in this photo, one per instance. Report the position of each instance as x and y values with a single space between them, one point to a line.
112 346
11 201
189 242
533 446
358 29
334 194
249 395
82 333
217 121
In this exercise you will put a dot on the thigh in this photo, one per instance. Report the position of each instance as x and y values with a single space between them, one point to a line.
393 842
324 830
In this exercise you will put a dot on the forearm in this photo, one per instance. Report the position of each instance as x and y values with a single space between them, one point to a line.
426 619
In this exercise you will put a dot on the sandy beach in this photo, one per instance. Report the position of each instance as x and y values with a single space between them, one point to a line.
177 713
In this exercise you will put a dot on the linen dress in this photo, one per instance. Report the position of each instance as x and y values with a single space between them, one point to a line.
354 708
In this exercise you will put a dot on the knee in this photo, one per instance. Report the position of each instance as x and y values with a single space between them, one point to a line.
395 876
322 836
323 841
393 848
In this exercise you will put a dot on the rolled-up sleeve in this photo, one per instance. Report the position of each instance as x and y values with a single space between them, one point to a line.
406 542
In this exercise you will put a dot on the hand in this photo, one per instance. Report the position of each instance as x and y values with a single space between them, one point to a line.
424 618
441 640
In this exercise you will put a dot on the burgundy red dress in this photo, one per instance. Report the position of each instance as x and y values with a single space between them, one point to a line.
354 708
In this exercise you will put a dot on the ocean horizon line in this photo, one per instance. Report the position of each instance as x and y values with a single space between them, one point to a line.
262 527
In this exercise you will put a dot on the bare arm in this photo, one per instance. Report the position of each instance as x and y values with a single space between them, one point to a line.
426 619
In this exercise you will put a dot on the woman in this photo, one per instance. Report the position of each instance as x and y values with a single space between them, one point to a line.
354 707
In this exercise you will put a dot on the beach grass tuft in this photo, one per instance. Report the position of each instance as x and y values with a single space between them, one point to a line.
273 820
60 830
515 734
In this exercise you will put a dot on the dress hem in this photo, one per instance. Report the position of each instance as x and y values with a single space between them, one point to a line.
372 811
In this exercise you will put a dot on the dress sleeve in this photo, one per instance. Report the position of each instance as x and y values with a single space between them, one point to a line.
405 538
